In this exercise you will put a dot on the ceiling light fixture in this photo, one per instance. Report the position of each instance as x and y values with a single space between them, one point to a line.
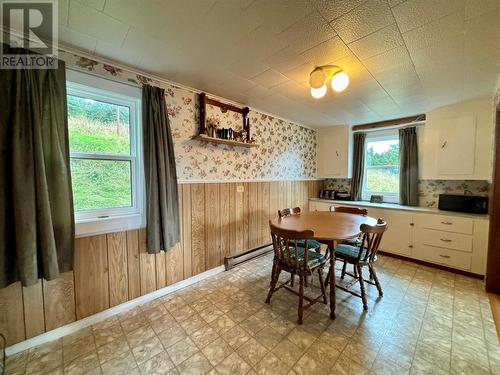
339 80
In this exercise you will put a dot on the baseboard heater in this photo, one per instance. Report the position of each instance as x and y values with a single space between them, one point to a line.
235 260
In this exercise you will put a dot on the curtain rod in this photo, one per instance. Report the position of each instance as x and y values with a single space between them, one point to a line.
400 126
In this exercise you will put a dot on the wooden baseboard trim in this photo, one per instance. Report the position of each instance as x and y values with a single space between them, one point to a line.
433 265
235 260
93 319
495 310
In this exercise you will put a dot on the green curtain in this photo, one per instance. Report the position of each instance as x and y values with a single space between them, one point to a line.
408 168
358 164
36 201
162 201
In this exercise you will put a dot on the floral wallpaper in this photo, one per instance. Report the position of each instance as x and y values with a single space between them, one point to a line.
287 151
429 190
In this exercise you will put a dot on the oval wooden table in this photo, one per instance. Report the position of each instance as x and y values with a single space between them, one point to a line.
328 228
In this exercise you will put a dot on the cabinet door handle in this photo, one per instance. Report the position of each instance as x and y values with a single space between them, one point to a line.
444 144
447 223
444 256
337 153
444 240
412 224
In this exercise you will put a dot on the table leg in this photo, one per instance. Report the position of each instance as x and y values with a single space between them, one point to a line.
331 247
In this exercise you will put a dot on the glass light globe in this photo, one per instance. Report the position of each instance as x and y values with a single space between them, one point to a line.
340 81
318 93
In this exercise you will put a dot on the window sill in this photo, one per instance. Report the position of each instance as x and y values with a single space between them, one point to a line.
93 227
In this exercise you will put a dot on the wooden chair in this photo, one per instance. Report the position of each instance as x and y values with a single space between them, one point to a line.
355 241
289 256
350 210
361 256
312 244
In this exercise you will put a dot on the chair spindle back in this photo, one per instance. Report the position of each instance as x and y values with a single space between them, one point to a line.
371 237
286 248
350 210
284 212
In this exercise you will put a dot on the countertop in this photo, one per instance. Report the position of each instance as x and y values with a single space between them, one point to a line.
394 206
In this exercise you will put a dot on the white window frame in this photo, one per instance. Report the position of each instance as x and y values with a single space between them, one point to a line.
374 137
106 220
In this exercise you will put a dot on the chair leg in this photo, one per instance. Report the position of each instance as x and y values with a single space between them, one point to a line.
371 272
272 274
301 299
344 269
354 270
274 281
292 282
327 280
362 287
377 282
322 284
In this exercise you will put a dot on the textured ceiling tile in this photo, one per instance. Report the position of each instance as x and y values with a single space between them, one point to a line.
284 60
134 47
393 3
332 9
363 20
482 38
76 39
258 91
354 68
269 78
306 33
326 52
435 33
247 68
91 22
301 73
378 42
278 15
474 8
442 56
259 45
150 19
236 83
96 4
393 58
415 13
231 21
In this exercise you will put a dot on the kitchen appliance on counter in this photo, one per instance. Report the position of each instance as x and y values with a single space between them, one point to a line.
470 204
335 195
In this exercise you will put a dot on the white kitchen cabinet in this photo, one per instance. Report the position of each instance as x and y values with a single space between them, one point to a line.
457 142
457 146
453 240
334 152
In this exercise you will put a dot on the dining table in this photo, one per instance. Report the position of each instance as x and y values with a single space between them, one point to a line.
329 228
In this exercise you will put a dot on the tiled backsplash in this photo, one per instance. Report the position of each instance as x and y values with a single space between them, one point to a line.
429 190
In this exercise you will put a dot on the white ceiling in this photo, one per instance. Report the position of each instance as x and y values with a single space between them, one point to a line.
403 57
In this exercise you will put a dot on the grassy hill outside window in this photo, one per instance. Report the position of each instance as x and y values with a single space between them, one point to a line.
36 204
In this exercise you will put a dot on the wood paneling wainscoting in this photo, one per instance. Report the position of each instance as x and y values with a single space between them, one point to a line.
217 219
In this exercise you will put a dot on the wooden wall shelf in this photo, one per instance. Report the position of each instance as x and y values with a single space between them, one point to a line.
206 138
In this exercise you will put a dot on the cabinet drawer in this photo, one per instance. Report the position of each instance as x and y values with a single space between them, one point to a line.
450 258
448 240
448 223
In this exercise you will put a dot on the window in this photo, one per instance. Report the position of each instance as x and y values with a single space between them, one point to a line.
105 153
381 171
